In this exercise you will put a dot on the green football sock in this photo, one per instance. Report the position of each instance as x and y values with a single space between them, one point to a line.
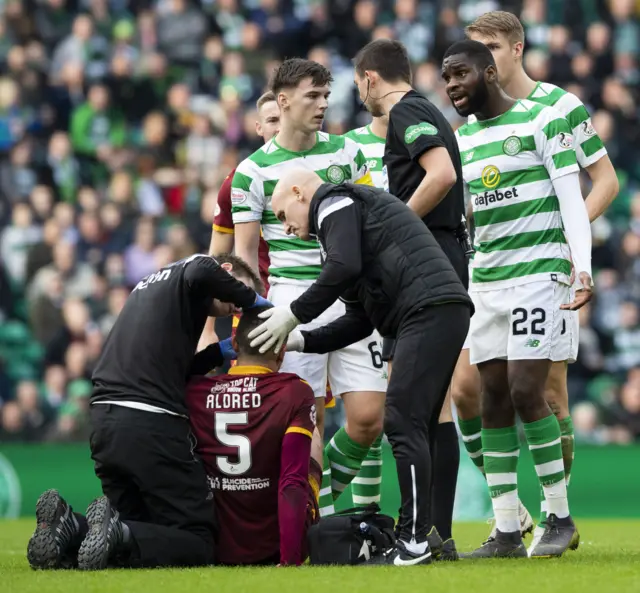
543 437
501 452
365 488
345 458
325 500
472 439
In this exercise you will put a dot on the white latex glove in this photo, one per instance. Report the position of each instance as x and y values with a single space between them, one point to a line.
295 341
272 334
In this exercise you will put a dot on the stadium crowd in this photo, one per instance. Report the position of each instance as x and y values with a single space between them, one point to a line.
120 119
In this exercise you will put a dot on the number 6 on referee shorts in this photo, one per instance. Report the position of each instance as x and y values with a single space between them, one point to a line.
522 323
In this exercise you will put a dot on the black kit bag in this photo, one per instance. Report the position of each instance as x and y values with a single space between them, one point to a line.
352 536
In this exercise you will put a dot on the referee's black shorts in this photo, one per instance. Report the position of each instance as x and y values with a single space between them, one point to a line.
453 250
150 474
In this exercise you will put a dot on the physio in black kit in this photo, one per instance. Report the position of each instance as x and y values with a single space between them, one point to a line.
157 509
379 258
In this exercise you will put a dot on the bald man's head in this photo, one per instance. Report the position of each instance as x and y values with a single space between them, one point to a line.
291 200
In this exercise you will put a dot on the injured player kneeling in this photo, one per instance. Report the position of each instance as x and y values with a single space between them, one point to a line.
255 431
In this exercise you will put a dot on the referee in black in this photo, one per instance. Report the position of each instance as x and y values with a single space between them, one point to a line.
382 261
424 171
157 509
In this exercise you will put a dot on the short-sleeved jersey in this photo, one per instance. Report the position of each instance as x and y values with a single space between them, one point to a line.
372 148
334 158
223 223
416 126
240 421
509 163
588 145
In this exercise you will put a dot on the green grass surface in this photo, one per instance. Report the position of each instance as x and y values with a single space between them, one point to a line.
608 561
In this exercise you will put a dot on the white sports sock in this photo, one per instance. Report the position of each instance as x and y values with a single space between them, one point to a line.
505 509
416 548
556 497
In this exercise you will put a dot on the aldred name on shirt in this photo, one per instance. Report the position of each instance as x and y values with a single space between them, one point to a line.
237 401
239 394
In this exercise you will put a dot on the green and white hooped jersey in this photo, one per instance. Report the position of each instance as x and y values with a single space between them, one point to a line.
334 158
588 145
509 164
372 148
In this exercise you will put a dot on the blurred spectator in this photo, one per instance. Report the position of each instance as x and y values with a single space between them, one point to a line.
413 31
77 277
45 310
98 130
18 175
64 167
623 417
34 415
13 426
181 31
85 43
15 241
117 298
626 338
55 382
139 259
53 22
40 254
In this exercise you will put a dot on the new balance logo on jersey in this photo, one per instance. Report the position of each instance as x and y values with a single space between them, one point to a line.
467 157
490 197
532 343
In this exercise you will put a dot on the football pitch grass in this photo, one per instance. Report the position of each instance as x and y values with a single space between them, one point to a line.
608 560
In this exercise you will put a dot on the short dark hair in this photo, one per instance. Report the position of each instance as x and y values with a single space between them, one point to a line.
241 268
478 52
387 57
249 320
265 98
293 71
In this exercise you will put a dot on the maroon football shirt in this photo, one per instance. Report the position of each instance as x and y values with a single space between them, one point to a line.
240 421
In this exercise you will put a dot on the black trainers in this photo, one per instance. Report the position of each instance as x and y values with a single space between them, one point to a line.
559 534
57 533
104 538
400 556
435 543
502 545
448 552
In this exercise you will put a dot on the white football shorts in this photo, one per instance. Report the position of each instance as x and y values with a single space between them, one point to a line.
358 367
522 323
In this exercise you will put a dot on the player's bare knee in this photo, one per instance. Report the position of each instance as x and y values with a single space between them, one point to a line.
365 428
555 391
527 398
466 398
497 409
364 412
